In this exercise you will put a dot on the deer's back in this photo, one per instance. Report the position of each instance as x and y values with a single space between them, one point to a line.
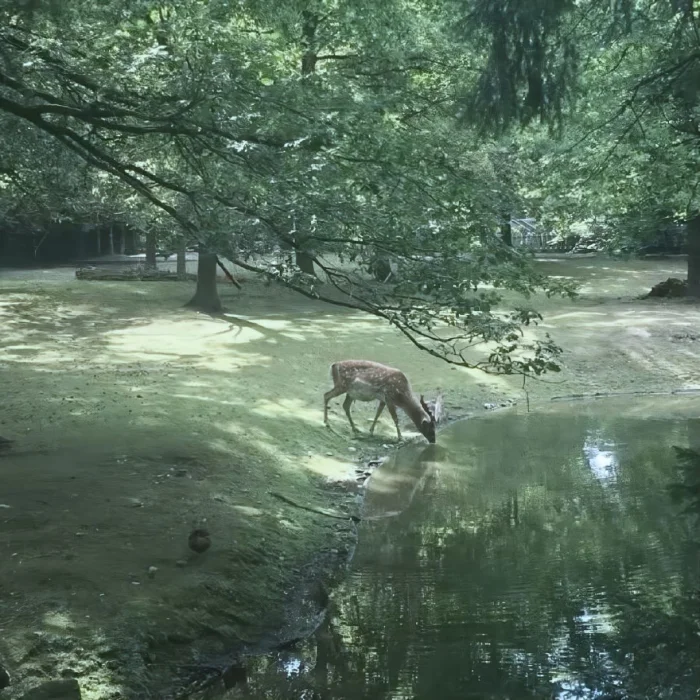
366 381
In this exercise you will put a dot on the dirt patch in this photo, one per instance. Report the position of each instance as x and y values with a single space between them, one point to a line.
135 421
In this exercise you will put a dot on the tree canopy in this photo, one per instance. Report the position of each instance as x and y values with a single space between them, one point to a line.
360 137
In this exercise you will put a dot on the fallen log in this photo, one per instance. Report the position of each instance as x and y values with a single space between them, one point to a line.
130 275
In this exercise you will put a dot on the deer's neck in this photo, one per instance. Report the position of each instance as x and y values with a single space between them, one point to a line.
414 410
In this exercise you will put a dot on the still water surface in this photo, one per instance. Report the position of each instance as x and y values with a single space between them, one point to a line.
524 556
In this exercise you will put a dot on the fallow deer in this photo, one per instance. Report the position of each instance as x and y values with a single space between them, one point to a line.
362 380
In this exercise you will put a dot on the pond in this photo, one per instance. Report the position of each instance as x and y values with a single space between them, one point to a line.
527 555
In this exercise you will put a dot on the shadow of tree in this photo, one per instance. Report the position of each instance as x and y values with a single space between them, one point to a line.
135 422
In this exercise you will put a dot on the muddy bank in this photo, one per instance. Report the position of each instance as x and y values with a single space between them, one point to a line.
134 422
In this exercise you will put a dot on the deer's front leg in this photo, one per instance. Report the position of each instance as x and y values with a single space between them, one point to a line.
392 411
346 406
380 408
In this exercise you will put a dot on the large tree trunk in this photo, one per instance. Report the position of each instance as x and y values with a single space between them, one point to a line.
305 262
309 58
151 245
206 297
694 257
181 267
122 239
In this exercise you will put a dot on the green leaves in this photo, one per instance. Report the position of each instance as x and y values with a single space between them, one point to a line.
324 129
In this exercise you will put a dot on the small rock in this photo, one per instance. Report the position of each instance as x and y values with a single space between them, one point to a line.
55 690
181 563
329 454
352 449
199 540
152 571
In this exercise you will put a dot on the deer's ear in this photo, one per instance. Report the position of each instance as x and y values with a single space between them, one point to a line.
425 406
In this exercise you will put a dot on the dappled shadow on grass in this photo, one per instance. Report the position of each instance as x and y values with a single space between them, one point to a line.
85 525
134 422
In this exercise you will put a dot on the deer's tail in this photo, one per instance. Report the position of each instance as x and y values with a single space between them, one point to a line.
334 373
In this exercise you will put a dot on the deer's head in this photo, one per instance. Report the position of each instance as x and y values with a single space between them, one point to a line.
427 426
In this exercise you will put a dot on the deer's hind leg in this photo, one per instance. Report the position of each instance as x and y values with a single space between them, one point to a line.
326 398
346 407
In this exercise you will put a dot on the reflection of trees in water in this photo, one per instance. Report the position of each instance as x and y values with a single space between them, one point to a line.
685 490
524 576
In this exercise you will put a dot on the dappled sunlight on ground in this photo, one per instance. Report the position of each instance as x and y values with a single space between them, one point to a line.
135 420
625 318
286 407
332 467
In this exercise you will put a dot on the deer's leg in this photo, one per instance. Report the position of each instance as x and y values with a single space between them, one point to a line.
346 407
326 398
392 411
380 408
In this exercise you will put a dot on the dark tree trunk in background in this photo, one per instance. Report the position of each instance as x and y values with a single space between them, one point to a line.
305 263
82 248
206 297
98 231
309 58
151 245
122 239
507 230
181 267
694 257
309 26
111 239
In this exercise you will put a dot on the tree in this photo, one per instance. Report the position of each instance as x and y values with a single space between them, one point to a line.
339 144
628 115
206 297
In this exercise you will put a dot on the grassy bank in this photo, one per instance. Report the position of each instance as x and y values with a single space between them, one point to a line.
136 420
